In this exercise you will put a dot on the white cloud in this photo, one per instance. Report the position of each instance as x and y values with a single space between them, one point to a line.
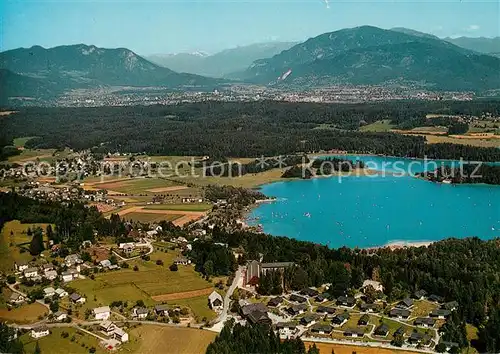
472 28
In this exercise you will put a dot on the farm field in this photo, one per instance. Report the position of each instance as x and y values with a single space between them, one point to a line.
27 313
379 126
10 254
198 306
251 180
349 349
434 139
156 339
55 344
185 216
180 207
31 155
431 129
151 217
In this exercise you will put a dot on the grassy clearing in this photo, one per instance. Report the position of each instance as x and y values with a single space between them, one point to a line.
28 313
435 139
378 126
157 339
198 305
10 251
422 308
150 217
180 207
55 344
20 142
31 155
246 181
431 129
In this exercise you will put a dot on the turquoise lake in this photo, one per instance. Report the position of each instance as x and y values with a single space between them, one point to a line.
372 211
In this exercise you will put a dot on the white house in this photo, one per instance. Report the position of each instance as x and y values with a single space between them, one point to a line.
49 292
140 312
22 267
40 332
60 316
31 272
102 313
61 292
69 275
215 301
50 274
120 334
105 263
107 327
72 259
16 298
127 247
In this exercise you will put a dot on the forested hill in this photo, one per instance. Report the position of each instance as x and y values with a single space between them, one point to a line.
371 55
82 66
253 129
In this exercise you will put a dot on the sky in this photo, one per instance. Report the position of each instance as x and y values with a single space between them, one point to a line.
171 26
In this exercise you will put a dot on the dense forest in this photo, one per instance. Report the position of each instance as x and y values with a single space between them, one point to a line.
230 129
238 339
467 173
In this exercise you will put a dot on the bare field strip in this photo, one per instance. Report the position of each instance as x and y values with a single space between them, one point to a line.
182 295
349 349
166 189
186 217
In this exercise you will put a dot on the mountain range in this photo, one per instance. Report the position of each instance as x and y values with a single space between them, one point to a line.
82 66
363 56
481 45
370 55
222 63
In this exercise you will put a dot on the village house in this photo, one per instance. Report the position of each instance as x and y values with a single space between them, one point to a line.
406 303
60 316
30 272
297 298
161 310
420 294
418 338
48 266
440 313
286 330
449 345
369 307
309 292
77 298
346 301
322 329
354 332
102 313
364 320
69 275
127 247
120 334
22 267
107 327
140 312
435 298
215 301
275 301
105 263
309 320
450 306
399 313
16 298
401 331
61 292
246 310
340 319
382 330
72 260
49 292
326 310
297 309
260 317
425 322
50 274
40 332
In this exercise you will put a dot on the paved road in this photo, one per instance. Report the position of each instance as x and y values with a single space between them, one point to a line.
227 299
11 287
